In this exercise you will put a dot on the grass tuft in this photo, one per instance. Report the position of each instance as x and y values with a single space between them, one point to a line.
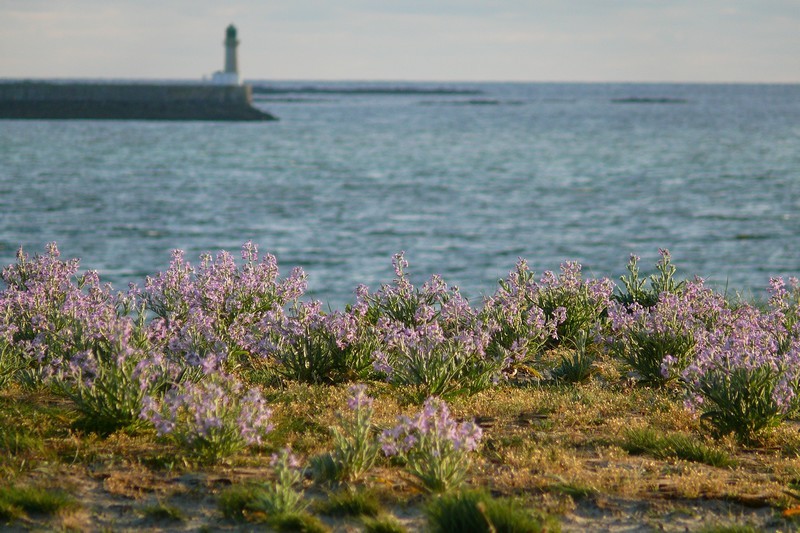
729 529
163 512
235 502
351 503
478 512
34 500
576 491
300 521
9 511
647 441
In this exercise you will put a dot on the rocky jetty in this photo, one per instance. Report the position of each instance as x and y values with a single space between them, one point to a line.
128 101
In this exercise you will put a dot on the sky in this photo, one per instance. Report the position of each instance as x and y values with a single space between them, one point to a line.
436 40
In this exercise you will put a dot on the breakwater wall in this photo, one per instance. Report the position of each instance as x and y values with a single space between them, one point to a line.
127 101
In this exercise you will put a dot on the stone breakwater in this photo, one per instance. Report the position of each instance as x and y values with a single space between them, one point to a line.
131 101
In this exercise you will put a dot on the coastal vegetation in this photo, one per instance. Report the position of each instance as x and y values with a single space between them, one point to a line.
215 395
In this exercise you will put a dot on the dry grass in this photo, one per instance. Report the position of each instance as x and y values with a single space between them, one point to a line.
560 449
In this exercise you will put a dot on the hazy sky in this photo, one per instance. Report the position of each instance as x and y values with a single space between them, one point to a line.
527 40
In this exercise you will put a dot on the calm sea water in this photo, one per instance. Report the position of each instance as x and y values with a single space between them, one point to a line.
464 183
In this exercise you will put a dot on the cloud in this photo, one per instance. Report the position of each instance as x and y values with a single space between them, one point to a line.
591 40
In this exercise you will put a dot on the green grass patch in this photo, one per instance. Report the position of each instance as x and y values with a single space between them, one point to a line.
647 441
300 521
235 503
576 491
20 441
351 503
163 512
383 524
14 501
729 529
478 512
9 511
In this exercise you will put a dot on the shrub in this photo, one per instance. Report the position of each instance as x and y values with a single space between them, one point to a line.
48 313
784 310
108 386
578 365
282 496
584 301
526 316
519 328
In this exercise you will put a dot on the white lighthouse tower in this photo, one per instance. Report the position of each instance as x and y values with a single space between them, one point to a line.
230 76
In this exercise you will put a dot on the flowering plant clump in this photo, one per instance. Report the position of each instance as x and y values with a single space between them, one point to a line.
400 301
526 316
742 380
658 342
311 346
584 302
165 352
434 446
217 307
432 339
48 313
108 385
519 329
282 496
784 307
355 448
210 419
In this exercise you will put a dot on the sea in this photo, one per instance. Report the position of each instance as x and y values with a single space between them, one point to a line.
465 178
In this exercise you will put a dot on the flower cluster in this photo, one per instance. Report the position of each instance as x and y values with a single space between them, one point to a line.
742 379
519 328
526 315
435 446
658 342
309 345
431 338
217 308
49 313
212 418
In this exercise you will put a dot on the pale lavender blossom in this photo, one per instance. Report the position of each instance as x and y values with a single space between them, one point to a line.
211 418
435 445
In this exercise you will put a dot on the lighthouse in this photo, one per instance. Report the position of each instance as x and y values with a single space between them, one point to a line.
229 76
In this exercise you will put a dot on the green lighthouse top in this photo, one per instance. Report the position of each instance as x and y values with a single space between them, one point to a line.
230 33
